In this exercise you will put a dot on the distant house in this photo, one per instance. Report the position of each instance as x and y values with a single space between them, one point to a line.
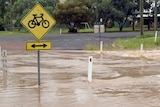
148 19
148 16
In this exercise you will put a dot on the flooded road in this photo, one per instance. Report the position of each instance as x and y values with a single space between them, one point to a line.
120 79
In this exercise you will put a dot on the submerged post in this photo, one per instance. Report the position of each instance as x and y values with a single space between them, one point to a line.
101 46
4 60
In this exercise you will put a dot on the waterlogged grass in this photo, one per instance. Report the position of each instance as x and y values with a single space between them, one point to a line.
135 43
92 47
96 47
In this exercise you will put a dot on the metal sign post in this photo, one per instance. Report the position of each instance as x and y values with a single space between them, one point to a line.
38 22
39 76
100 37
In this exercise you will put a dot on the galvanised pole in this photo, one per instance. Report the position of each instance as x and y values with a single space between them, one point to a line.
141 16
155 16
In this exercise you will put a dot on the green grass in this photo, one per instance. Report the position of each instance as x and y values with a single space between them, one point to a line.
65 31
116 29
9 33
85 30
134 43
26 32
96 47
92 47
129 44
56 30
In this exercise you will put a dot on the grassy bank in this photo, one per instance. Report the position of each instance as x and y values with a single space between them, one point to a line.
130 44
134 43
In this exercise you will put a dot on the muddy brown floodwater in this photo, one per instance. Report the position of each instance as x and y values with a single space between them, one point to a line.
120 79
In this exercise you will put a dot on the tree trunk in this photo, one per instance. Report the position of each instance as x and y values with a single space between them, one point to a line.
122 23
72 28
120 28
133 23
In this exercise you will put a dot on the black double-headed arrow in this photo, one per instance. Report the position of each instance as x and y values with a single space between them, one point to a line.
43 45
39 45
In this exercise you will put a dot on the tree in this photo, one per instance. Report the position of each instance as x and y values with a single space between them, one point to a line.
2 14
148 8
102 10
116 10
5 13
72 13
120 11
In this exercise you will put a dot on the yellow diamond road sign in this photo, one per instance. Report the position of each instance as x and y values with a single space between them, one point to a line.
42 45
38 21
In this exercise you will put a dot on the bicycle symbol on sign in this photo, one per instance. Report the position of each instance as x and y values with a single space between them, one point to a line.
32 23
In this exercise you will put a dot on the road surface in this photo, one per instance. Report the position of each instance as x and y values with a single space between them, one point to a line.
65 41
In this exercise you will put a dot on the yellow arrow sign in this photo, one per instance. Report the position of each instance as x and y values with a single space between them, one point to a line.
38 21
42 45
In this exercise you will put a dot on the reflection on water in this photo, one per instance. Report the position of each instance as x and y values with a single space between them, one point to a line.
4 79
118 81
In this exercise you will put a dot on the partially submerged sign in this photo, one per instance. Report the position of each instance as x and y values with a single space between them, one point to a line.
38 22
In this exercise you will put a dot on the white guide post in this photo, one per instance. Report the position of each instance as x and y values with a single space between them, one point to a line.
155 38
60 32
90 62
141 49
101 46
